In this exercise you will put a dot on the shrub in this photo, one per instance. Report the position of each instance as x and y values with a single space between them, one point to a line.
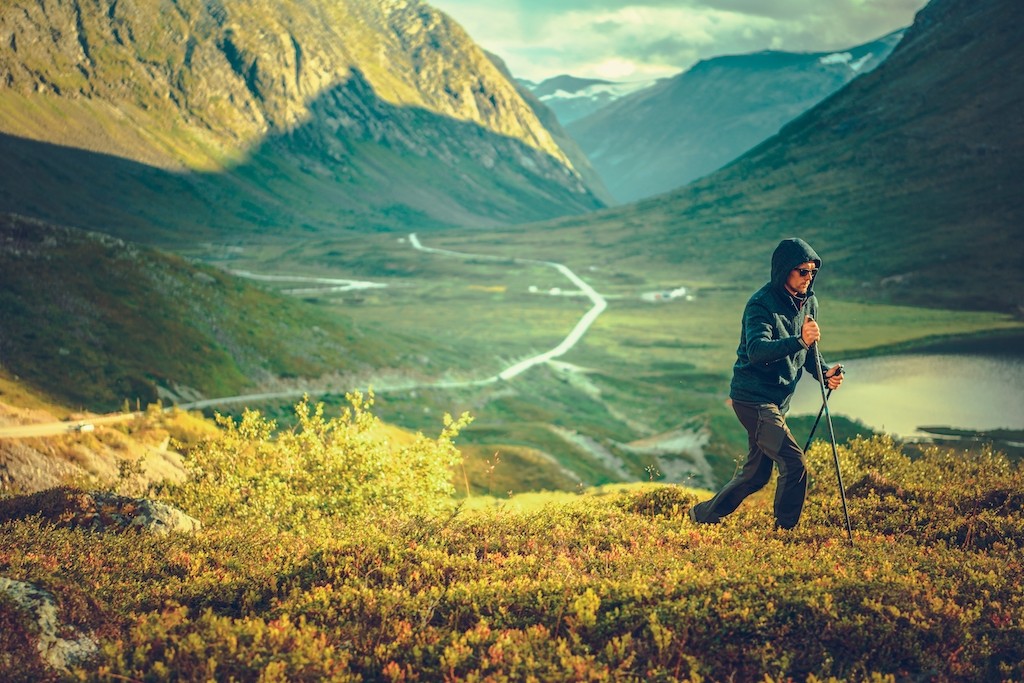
336 468
667 501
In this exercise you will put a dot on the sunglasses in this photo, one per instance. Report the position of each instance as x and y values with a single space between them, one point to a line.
804 272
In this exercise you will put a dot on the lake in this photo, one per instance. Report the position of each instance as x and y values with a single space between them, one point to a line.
899 394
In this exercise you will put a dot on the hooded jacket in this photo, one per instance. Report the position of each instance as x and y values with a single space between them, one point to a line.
771 352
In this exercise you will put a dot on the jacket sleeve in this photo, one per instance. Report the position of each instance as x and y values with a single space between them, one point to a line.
809 363
759 337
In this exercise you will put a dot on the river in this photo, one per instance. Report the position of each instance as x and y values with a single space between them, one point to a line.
901 393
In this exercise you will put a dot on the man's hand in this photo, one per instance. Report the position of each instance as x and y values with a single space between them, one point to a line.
834 376
810 332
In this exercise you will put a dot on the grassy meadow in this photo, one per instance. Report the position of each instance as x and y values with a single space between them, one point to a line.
297 575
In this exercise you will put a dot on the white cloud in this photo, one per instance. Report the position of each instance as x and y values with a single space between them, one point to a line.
616 69
654 38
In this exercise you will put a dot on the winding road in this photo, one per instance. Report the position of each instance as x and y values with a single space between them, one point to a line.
573 338
600 303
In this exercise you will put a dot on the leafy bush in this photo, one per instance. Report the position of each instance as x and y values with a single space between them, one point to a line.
971 500
337 468
668 501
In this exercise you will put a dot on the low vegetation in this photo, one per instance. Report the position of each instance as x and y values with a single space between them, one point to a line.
91 321
299 575
320 470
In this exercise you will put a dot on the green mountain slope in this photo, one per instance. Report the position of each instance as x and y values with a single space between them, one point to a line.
549 118
333 114
92 321
662 137
906 181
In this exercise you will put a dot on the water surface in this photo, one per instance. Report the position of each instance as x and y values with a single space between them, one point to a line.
900 394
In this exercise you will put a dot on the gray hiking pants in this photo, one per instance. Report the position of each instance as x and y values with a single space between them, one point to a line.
770 443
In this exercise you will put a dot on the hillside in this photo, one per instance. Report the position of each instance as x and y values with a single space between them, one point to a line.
93 321
296 574
905 181
660 138
219 118
143 450
551 121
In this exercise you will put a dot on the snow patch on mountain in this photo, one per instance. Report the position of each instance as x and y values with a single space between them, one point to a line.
846 58
859 64
606 91
574 98
836 58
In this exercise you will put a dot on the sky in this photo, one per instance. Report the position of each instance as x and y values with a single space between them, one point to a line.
624 40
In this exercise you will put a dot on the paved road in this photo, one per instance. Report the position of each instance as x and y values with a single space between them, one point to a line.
53 428
600 303
329 284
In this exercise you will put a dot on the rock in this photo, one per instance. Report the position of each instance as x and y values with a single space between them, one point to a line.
98 511
55 651
160 518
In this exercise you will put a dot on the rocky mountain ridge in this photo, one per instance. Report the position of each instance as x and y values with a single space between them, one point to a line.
196 85
662 137
907 178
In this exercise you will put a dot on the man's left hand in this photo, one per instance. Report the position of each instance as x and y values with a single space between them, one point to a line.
834 376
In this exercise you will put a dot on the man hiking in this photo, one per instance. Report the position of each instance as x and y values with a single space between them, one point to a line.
778 331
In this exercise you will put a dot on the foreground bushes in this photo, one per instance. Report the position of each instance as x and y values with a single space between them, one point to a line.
343 467
617 585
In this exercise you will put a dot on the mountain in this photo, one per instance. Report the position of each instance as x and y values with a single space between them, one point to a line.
662 137
573 98
906 180
214 117
92 320
550 121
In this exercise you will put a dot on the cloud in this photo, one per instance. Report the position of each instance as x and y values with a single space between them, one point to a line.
653 38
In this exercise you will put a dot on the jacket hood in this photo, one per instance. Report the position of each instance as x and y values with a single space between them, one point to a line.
790 253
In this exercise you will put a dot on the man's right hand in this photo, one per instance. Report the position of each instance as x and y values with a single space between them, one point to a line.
810 332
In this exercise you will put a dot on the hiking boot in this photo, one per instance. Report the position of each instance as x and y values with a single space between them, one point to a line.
692 514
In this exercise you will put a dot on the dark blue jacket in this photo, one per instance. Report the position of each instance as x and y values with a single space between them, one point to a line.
771 353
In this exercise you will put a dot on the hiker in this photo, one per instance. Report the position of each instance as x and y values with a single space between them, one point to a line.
779 327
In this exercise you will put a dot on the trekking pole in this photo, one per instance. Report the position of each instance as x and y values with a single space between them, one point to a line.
832 437
820 412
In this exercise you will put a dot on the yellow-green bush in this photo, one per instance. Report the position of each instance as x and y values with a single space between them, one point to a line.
323 468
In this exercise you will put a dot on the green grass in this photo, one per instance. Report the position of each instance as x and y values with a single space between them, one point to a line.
94 322
644 368
902 229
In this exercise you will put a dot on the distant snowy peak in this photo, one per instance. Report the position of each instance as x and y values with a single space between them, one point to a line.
601 91
564 82
572 98
684 127
856 65
864 57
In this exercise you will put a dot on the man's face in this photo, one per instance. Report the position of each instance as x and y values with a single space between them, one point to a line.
799 280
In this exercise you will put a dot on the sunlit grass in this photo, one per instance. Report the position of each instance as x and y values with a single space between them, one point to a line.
535 501
608 583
